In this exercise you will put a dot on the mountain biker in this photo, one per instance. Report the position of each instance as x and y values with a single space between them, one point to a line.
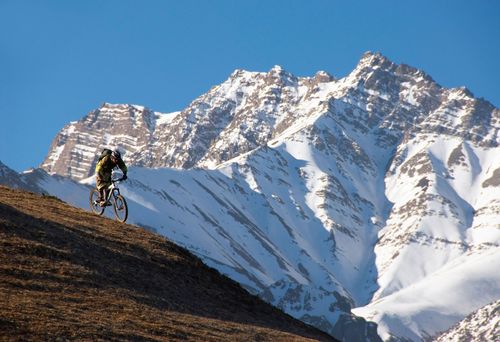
103 172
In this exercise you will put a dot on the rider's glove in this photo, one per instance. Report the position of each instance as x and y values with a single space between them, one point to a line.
124 177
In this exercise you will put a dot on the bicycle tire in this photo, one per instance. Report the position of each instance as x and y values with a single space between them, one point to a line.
121 209
94 205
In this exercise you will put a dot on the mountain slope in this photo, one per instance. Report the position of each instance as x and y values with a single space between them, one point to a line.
217 218
318 194
481 325
11 178
66 273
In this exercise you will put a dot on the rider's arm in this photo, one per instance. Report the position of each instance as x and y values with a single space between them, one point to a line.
122 167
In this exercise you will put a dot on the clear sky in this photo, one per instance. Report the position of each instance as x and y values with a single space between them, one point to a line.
61 59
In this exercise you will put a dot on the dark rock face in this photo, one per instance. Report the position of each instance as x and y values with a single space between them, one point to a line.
356 329
494 180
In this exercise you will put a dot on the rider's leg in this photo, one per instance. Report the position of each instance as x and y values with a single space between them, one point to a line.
102 195
102 191
102 184
106 192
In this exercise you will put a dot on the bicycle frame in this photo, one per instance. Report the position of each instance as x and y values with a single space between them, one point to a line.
113 190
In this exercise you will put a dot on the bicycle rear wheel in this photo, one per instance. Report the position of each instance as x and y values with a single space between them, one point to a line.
94 202
121 209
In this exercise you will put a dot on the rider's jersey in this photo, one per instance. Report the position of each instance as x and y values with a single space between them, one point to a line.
105 166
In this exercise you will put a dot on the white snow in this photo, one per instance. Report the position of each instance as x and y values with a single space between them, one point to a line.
165 118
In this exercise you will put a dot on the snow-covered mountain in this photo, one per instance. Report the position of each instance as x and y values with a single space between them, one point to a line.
481 325
376 192
12 179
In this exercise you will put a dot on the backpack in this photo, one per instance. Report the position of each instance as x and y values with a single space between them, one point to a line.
104 153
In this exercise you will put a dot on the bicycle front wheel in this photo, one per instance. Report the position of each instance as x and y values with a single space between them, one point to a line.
121 209
94 202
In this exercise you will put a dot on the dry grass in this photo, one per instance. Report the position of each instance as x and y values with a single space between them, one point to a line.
66 274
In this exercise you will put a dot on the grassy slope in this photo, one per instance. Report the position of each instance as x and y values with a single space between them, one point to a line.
68 273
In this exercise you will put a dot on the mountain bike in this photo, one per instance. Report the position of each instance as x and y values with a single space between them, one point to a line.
113 198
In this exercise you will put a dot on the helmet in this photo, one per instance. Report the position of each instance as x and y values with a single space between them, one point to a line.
116 154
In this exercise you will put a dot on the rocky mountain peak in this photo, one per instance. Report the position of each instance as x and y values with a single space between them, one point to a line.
6 172
381 66
240 74
279 71
462 91
374 60
137 114
323 77
280 76
75 150
250 108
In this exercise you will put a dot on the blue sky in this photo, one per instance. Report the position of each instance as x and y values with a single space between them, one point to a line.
61 59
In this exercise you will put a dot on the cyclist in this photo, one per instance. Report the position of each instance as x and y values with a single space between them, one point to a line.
103 171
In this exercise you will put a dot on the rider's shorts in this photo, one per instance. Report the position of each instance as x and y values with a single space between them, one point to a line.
103 183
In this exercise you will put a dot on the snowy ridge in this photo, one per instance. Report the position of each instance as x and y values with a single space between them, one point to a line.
375 192
444 223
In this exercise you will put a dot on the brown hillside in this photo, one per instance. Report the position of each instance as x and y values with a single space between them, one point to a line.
66 274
